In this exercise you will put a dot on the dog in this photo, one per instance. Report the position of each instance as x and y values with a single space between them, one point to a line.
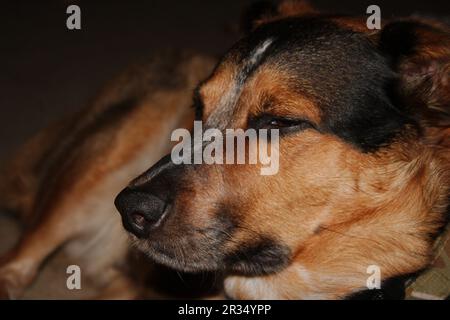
364 176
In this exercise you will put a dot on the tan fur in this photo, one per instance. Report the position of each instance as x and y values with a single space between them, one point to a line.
365 226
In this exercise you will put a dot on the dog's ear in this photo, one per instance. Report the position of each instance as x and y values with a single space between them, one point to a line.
262 12
420 54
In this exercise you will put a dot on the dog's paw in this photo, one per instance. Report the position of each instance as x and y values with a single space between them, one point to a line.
12 283
9 289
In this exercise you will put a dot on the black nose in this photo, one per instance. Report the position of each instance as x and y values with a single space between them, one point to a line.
141 212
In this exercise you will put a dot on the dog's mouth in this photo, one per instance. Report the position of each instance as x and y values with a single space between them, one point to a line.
206 250
187 253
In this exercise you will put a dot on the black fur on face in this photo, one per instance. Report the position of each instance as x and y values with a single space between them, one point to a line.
260 257
342 71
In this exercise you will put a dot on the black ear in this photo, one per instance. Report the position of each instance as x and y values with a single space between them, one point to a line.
256 13
263 11
420 54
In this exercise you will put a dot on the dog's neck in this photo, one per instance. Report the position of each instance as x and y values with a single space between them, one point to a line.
389 231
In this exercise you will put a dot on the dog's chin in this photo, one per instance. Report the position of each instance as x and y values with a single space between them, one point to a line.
175 256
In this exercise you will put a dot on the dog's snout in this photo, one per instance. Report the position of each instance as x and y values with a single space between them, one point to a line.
141 212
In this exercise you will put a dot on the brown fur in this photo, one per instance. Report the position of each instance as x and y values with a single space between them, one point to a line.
338 210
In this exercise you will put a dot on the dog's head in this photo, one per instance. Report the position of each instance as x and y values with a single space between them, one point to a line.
355 159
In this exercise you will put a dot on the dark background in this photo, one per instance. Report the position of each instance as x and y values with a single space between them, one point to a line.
47 71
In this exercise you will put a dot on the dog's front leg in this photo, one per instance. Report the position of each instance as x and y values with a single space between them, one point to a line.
20 266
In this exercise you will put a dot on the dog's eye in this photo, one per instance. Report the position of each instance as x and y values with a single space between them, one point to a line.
285 125
281 123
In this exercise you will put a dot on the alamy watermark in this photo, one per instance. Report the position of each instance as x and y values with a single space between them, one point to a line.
374 280
73 281
233 146
73 21
374 20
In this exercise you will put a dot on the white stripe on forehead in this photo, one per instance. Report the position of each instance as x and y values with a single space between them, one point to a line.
259 51
224 110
